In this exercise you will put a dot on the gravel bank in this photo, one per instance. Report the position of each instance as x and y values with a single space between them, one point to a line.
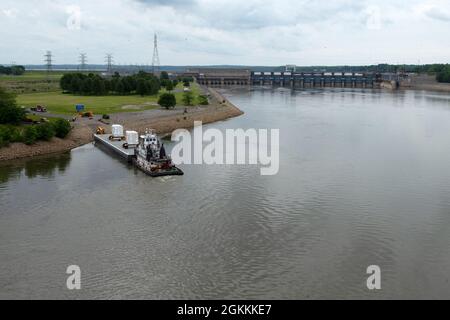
166 121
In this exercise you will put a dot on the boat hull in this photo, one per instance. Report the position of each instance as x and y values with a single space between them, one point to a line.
174 171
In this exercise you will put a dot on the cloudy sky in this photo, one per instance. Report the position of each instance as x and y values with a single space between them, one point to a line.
244 32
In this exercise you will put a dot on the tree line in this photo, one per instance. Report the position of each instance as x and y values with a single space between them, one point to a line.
93 84
444 74
29 134
12 70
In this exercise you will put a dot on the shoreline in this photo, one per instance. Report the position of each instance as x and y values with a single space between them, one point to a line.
439 87
166 121
424 82
78 136
163 121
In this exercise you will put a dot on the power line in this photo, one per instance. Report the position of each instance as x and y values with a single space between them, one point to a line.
155 60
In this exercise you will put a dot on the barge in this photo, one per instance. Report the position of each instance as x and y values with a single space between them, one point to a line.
146 152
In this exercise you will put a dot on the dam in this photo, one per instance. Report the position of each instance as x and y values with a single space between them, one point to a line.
245 77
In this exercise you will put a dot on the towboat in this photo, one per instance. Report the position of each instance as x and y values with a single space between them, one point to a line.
151 157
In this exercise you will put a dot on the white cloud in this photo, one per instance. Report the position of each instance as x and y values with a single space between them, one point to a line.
439 10
10 13
254 32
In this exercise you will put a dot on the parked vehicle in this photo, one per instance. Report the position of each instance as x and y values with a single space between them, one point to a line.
39 108
100 130
88 114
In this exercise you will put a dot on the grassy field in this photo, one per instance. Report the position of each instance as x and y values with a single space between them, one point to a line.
32 76
56 102
59 103
31 81
39 88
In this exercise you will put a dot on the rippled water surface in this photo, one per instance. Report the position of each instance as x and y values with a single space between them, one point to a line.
364 180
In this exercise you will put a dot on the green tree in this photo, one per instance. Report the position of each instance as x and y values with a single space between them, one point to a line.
75 85
188 98
167 100
66 82
119 88
125 85
45 131
107 85
142 87
17 70
155 85
87 86
203 100
169 86
102 87
164 82
62 128
164 76
130 84
5 70
444 74
96 86
113 84
10 113
14 70
30 135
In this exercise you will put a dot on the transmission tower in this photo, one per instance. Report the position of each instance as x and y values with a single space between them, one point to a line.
48 61
155 61
83 60
109 63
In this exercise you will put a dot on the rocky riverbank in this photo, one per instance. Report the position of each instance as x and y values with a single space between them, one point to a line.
163 121
80 134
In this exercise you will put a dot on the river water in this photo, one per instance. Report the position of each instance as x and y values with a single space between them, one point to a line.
364 180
